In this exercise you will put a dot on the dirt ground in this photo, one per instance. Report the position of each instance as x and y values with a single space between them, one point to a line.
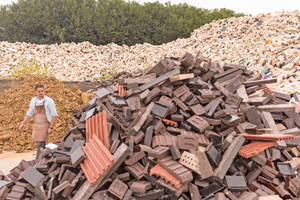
10 159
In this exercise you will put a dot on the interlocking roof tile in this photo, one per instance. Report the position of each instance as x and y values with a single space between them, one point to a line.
266 137
177 170
98 125
169 122
266 89
161 172
121 89
255 148
98 160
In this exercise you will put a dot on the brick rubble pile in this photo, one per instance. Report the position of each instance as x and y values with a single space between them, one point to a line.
187 129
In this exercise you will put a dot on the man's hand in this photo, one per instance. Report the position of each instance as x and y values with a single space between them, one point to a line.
49 131
21 127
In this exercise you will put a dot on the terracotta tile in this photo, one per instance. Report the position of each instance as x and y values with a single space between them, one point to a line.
161 172
121 89
170 122
266 89
177 170
254 148
270 163
267 137
90 168
56 141
98 160
98 125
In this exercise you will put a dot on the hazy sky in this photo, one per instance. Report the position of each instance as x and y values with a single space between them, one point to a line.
246 6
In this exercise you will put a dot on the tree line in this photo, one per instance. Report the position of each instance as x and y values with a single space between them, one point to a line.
102 21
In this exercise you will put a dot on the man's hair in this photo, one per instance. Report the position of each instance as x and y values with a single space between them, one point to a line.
38 86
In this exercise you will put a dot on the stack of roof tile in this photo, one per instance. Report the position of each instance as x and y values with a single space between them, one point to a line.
186 129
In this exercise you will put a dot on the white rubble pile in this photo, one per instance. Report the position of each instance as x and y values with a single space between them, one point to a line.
265 43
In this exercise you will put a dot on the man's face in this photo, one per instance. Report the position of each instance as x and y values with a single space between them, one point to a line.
40 92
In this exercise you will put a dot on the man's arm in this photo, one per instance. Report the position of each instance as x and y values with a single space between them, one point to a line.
26 118
53 121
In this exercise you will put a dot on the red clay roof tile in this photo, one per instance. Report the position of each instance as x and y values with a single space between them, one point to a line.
121 89
169 122
161 172
254 148
56 141
98 125
266 137
266 89
98 160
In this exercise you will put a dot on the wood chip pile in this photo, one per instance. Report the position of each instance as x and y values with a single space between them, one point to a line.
14 103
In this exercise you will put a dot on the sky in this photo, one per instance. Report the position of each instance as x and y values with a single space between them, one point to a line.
247 6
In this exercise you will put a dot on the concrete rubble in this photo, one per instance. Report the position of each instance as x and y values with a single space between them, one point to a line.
187 129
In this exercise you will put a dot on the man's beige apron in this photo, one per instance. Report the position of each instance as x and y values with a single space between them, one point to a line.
41 124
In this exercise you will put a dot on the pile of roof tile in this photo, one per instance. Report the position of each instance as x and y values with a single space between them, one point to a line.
186 129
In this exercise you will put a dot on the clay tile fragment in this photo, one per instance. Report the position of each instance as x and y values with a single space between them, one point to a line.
136 170
118 188
140 186
159 152
187 142
177 170
197 162
198 123
98 160
121 90
161 172
267 137
169 122
255 148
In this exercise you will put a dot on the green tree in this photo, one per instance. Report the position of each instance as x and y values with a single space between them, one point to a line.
102 21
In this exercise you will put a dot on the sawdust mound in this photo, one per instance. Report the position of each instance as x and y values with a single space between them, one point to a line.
14 103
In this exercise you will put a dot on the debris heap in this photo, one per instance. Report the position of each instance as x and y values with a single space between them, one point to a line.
186 129
14 103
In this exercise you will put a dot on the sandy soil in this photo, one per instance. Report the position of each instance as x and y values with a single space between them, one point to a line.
9 160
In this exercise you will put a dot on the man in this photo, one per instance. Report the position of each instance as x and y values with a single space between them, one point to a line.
44 117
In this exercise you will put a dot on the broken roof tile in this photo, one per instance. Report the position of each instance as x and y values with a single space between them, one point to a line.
267 137
121 90
176 169
162 173
255 148
98 160
98 125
